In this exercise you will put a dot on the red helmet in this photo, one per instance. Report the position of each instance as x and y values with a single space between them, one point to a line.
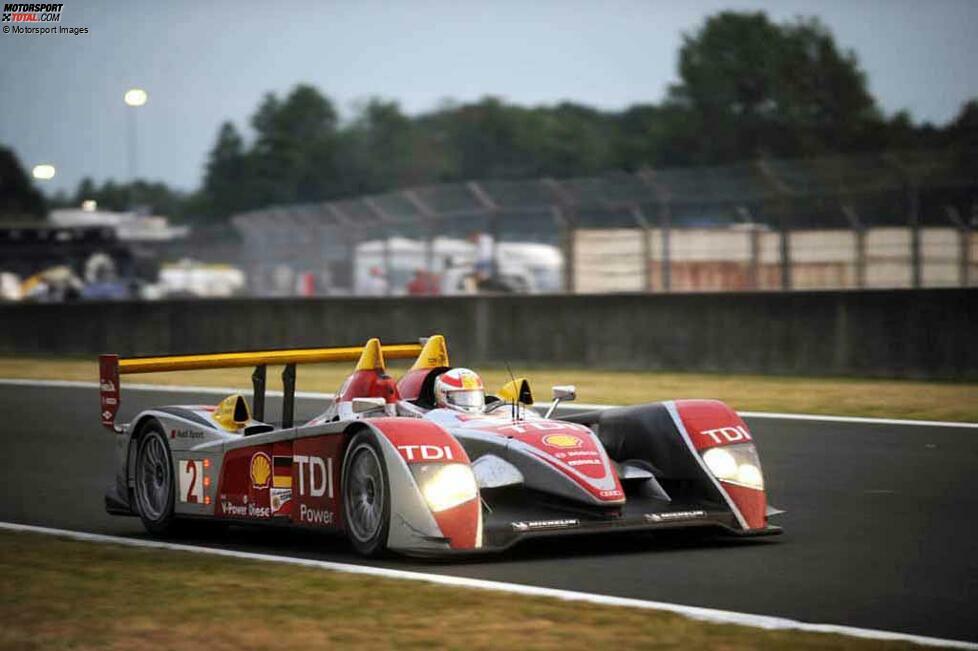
460 389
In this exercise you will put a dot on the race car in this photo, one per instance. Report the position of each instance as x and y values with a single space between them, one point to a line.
429 465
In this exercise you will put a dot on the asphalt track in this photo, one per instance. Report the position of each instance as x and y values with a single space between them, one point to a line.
880 526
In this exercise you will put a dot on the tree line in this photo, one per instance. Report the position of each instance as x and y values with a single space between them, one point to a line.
747 88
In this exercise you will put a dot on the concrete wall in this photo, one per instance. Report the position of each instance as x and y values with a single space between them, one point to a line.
715 259
903 333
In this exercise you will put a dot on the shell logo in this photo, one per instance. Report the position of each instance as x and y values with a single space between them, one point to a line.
261 470
562 441
470 381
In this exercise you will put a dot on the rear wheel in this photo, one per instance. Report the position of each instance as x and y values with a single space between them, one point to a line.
154 480
366 495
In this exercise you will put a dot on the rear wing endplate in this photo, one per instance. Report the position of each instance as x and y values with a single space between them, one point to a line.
110 367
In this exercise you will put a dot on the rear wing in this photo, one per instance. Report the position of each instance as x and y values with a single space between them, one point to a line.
110 367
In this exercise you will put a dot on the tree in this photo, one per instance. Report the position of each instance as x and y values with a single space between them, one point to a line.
484 140
19 199
86 190
384 149
226 182
568 140
294 154
964 128
757 88
963 136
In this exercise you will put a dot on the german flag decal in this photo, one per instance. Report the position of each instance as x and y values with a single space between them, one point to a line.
283 472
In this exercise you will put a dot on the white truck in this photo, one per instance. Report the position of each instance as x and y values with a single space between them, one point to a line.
389 266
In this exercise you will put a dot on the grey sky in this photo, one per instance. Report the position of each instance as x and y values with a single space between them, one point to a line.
204 62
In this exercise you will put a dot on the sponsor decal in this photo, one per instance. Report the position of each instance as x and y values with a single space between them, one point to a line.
611 493
280 495
185 434
107 415
244 510
674 516
426 452
315 475
538 525
106 385
562 441
576 453
229 508
279 499
259 511
584 462
108 402
260 470
733 434
543 426
315 516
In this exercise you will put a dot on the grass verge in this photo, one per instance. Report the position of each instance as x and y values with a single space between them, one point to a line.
59 593
835 396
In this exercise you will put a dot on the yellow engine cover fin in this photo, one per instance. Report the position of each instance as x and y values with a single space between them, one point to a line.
372 357
517 390
433 355
233 413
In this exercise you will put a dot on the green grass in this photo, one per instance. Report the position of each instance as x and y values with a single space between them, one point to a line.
61 594
835 396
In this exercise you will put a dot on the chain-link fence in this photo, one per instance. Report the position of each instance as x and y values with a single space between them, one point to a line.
888 220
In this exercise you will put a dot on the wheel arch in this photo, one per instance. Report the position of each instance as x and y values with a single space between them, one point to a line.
413 527
165 521
137 429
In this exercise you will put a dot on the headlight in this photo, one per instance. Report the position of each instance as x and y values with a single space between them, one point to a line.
737 464
445 485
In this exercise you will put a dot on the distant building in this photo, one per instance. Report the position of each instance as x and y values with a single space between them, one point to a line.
129 227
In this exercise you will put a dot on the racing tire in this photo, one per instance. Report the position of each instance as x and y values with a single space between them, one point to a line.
154 486
366 493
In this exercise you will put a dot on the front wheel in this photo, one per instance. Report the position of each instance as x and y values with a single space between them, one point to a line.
154 480
366 495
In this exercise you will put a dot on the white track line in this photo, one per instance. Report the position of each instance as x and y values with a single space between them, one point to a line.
855 419
693 612
312 395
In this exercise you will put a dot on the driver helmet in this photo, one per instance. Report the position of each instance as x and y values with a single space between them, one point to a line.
460 389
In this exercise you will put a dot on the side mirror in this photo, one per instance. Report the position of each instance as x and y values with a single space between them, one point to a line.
566 392
517 390
361 405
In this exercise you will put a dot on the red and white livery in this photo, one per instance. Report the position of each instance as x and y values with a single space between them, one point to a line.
429 464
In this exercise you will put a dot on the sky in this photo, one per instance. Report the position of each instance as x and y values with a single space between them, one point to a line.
204 62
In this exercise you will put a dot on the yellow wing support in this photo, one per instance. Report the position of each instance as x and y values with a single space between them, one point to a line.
372 357
433 355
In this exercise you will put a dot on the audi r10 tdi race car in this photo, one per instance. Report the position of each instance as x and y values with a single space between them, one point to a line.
430 464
